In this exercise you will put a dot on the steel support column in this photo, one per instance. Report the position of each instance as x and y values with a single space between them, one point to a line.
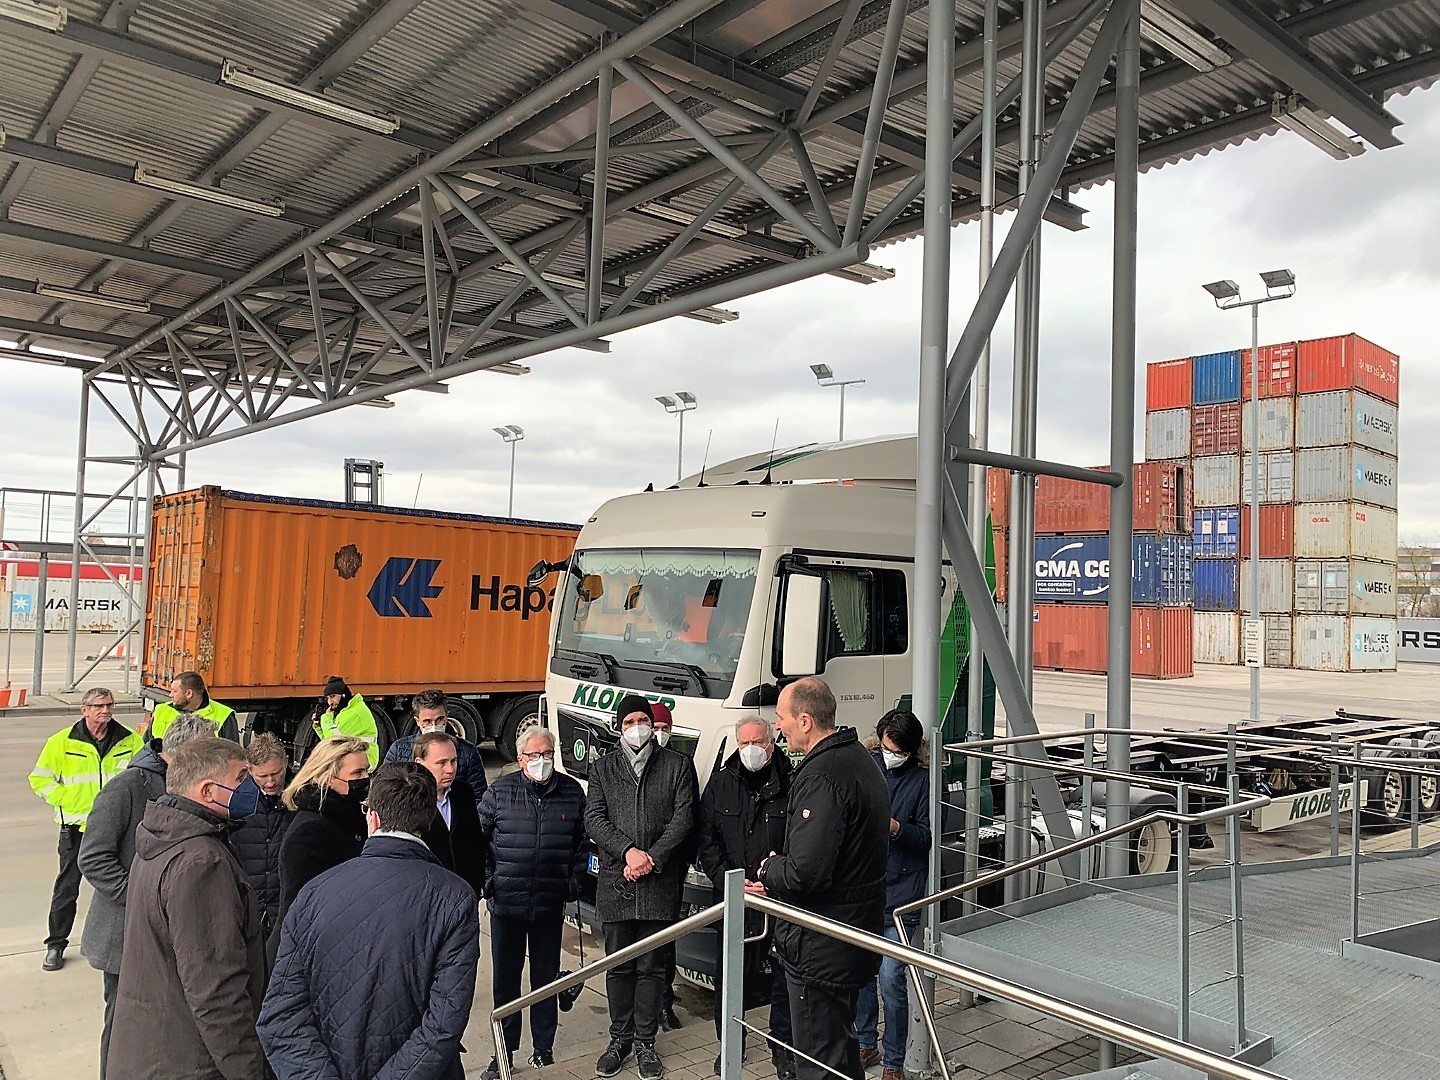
71 636
595 276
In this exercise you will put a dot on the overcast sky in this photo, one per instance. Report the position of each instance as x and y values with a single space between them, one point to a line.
1362 236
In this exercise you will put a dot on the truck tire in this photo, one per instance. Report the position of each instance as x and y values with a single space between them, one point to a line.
520 715
1153 849
467 716
1429 795
1390 806
384 728
305 740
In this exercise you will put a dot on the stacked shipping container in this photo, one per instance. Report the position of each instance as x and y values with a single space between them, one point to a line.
1327 431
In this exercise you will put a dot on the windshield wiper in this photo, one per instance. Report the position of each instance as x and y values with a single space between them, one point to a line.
697 674
611 665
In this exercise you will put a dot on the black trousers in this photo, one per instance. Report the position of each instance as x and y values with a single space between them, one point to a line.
112 990
755 952
824 1026
637 989
510 941
66 895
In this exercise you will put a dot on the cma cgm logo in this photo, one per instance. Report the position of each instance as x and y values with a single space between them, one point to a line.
402 587
1374 588
1371 476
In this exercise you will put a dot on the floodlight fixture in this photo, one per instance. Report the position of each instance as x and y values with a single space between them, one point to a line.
687 397
243 78
512 434
206 194
1314 128
45 16
1177 37
686 402
822 371
825 376
713 315
1222 291
1277 279
510 369
94 299
31 357
667 401
379 403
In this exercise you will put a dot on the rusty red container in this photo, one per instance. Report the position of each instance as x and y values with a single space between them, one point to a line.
1277 531
1162 503
1279 370
1348 362
1073 637
997 491
1215 429
1168 384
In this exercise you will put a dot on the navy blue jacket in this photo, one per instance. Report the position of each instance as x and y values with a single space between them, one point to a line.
376 971
908 867
536 848
468 765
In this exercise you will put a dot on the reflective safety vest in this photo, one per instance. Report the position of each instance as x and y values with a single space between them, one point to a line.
70 772
357 721
165 715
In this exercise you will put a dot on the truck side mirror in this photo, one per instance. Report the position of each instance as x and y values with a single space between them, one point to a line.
806 603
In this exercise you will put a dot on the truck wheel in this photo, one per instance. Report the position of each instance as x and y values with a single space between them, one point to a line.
522 714
1152 849
1390 807
305 740
384 728
463 713
1429 795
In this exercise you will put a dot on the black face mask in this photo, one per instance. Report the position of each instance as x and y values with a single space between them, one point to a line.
358 789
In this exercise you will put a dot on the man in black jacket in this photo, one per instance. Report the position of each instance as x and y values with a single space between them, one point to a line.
837 835
257 842
454 836
742 821
432 713
639 810
376 972
534 824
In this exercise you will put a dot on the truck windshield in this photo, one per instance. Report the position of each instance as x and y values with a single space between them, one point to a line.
658 610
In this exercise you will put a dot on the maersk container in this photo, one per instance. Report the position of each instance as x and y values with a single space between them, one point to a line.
1277 531
1345 587
1216 378
1077 568
1341 530
1277 477
103 607
1277 424
1217 585
1217 637
1344 363
1344 643
1343 417
1277 370
1168 384
1167 434
1215 429
1216 480
1279 641
1347 473
1073 637
1277 587
1217 533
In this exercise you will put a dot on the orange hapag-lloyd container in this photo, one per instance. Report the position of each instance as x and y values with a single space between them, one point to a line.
1073 637
267 597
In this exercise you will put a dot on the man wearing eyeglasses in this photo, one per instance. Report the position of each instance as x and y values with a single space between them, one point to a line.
534 824
72 768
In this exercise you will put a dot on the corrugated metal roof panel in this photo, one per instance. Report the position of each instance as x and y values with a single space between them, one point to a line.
279 40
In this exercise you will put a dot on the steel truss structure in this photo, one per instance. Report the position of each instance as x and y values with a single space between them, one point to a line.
428 190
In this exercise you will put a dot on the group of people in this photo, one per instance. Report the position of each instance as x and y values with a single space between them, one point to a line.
327 925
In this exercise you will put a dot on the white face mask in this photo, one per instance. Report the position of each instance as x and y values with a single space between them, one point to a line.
426 729
539 769
662 737
754 757
893 760
637 736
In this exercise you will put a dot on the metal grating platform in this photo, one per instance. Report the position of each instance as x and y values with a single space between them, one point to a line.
1331 1016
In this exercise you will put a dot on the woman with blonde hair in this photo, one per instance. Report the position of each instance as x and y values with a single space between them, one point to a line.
329 825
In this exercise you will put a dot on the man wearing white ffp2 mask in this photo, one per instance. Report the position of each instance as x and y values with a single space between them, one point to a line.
432 713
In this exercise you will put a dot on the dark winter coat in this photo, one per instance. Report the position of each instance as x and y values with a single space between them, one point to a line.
907 870
655 813
107 850
194 968
468 764
376 972
257 845
323 834
461 847
536 835
742 821
833 863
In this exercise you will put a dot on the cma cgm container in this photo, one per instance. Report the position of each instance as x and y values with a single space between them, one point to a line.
1277 477
1277 424
1069 506
1344 587
1346 473
1277 531
1078 568
1340 530
1217 585
1277 586
1215 429
1216 378
1168 384
1217 533
1277 370
1072 637
1167 434
1216 480
1348 362
266 598
1217 637
1344 643
1345 417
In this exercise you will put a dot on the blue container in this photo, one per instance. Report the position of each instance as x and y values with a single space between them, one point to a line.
1077 568
1217 533
1217 585
1216 378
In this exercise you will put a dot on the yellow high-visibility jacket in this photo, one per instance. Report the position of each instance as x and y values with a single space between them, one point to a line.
357 721
222 716
70 772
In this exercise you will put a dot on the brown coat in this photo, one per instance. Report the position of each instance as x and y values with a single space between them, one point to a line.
194 966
